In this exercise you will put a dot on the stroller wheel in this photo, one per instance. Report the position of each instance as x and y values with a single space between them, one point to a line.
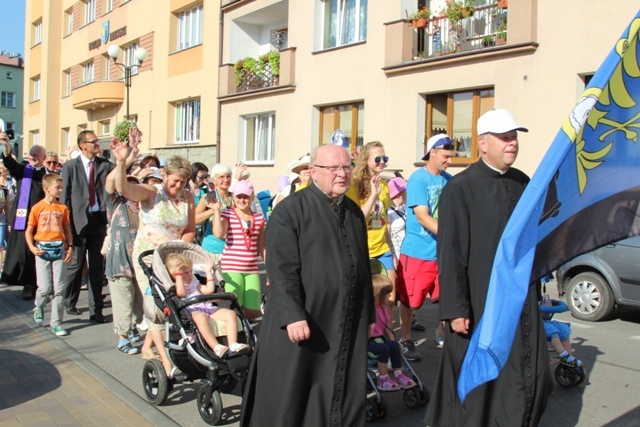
227 383
155 382
565 376
580 375
210 409
372 409
382 409
424 397
411 398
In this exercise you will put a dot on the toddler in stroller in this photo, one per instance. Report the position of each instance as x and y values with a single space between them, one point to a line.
214 347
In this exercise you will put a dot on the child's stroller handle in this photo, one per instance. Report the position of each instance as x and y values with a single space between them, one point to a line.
222 296
146 267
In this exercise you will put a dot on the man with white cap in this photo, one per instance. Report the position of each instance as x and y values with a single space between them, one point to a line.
417 267
477 204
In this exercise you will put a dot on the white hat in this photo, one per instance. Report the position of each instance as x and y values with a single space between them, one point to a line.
498 121
303 163
155 173
436 141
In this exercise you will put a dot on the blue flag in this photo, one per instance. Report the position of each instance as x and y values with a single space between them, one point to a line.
585 194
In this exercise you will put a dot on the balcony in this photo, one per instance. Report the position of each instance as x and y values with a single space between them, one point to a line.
97 94
265 79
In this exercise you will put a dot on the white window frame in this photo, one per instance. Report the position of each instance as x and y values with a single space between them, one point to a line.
69 17
66 82
66 138
187 122
341 6
88 75
35 137
8 99
107 68
108 6
105 127
263 135
190 28
37 33
89 11
36 88
130 58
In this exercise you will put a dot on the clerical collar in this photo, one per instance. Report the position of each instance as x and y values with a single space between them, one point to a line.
495 169
328 196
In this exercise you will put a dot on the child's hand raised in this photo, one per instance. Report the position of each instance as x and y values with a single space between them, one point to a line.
208 265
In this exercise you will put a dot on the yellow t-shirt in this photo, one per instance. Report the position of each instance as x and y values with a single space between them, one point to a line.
377 220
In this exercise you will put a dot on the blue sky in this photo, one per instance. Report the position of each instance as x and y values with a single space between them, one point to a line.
12 38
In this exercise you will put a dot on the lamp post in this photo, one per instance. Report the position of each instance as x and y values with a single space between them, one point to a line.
140 54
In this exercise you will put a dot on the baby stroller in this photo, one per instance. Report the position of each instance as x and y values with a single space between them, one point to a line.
184 344
413 397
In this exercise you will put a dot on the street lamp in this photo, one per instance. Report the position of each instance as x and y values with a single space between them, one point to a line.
140 54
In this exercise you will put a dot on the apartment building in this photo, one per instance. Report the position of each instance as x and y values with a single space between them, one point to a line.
11 84
272 79
73 84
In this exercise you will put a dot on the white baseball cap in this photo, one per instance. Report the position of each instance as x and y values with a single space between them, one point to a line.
436 141
498 121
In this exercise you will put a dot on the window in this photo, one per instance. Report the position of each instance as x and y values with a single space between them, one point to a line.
190 28
259 137
107 68
456 114
66 138
130 58
68 21
279 39
89 11
9 75
66 83
105 127
8 99
188 121
35 137
35 88
345 21
88 72
349 118
108 7
36 33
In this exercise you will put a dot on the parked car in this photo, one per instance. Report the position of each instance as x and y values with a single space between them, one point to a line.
596 282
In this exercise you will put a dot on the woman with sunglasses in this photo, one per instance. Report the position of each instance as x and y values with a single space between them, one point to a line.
243 231
372 195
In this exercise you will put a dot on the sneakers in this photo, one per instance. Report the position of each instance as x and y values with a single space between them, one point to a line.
221 350
416 326
239 348
387 384
134 336
144 325
57 329
410 352
404 381
38 315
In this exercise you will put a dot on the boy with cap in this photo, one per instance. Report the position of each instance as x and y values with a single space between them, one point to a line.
417 267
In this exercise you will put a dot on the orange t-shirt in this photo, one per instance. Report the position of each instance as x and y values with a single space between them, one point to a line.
49 221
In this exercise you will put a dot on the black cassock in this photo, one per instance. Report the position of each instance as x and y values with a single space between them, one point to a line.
19 264
318 268
475 206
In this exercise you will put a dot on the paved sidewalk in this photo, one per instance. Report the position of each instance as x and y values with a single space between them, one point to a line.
45 382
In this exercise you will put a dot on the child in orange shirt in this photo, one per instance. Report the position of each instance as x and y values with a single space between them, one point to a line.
48 236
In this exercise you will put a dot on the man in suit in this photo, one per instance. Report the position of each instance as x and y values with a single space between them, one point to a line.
83 192
20 265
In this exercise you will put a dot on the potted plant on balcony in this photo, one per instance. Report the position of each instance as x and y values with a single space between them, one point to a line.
456 10
501 36
488 41
420 18
257 67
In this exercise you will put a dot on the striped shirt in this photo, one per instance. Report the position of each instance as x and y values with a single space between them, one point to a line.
236 257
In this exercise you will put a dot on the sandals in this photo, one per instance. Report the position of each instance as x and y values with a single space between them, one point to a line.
239 348
404 381
128 349
387 384
220 350
150 355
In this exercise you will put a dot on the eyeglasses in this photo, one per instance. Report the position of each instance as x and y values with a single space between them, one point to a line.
51 162
95 141
201 177
381 159
336 168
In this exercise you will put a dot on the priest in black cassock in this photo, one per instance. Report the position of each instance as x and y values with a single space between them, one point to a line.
20 264
309 367
475 206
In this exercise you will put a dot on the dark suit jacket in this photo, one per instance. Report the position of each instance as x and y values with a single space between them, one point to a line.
75 191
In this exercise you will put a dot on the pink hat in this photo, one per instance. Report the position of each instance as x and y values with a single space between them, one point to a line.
243 187
396 186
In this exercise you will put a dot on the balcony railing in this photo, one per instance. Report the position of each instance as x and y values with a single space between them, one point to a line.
97 94
486 27
264 78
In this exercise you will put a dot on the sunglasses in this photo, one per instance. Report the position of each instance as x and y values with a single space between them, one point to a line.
203 176
381 159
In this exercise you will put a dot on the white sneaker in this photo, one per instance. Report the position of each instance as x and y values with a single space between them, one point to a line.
143 326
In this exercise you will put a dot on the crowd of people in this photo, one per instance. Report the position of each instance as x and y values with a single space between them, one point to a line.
435 234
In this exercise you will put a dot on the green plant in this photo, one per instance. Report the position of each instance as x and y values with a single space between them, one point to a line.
121 130
488 41
457 10
420 13
257 66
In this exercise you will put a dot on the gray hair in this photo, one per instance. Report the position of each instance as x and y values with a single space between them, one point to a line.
220 169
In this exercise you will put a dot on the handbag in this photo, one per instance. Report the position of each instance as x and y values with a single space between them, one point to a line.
52 250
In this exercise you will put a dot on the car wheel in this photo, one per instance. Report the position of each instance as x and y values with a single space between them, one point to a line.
589 297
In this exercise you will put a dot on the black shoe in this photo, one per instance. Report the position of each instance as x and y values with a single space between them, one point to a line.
98 318
28 293
416 326
73 311
410 352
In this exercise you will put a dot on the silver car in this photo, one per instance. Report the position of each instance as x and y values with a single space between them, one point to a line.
596 282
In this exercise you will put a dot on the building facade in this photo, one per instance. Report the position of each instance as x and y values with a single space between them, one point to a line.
11 88
312 67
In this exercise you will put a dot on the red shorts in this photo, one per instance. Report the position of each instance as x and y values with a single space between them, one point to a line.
416 279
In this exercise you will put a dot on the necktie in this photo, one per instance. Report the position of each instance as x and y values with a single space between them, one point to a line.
92 185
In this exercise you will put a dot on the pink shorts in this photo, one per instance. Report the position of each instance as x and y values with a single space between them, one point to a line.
416 279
